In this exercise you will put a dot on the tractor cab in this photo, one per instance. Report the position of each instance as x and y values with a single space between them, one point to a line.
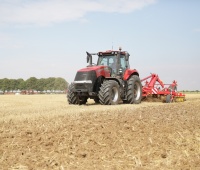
116 61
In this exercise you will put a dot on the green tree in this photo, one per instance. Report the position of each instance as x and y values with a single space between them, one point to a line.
1 84
6 84
50 83
21 84
13 84
41 83
60 84
31 83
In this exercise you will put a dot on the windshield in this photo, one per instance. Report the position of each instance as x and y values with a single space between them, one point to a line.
106 60
111 61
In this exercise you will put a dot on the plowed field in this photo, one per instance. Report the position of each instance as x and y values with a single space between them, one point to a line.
44 132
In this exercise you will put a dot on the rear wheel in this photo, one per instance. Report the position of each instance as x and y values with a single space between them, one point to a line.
71 96
109 93
134 90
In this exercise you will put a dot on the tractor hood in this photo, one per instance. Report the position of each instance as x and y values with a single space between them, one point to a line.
92 68
99 70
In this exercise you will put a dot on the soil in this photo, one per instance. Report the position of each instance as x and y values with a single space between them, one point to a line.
145 136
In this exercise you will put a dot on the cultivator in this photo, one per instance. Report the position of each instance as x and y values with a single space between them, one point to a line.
154 89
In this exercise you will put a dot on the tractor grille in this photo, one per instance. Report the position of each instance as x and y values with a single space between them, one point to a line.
85 81
83 76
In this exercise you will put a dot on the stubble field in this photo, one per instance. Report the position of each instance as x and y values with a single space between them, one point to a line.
44 132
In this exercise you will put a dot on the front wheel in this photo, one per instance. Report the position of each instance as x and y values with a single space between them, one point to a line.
71 96
109 93
134 90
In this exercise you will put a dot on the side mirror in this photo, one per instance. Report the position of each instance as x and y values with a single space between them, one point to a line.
89 58
127 56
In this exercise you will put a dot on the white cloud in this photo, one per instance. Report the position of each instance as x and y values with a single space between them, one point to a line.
44 12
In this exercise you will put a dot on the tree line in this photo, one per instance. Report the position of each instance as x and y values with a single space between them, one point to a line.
33 83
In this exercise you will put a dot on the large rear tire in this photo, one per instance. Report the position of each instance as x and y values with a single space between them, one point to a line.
109 93
134 90
71 96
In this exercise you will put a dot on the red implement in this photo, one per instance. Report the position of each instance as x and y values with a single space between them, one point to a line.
152 86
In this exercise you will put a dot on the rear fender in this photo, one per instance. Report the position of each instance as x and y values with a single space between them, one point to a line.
128 73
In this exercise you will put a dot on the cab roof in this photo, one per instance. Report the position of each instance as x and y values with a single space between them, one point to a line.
110 52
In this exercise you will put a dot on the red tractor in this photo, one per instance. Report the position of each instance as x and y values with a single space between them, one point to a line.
108 82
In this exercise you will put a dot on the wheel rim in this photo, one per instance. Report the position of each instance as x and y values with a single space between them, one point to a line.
137 91
115 94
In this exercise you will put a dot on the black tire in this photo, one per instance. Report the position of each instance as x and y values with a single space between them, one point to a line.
134 90
168 98
71 96
109 93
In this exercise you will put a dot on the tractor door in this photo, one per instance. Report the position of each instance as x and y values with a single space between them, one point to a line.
110 61
123 64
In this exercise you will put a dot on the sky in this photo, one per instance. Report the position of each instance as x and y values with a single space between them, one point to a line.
49 38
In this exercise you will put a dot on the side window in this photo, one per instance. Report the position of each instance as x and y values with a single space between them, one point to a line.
123 62
103 61
110 61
